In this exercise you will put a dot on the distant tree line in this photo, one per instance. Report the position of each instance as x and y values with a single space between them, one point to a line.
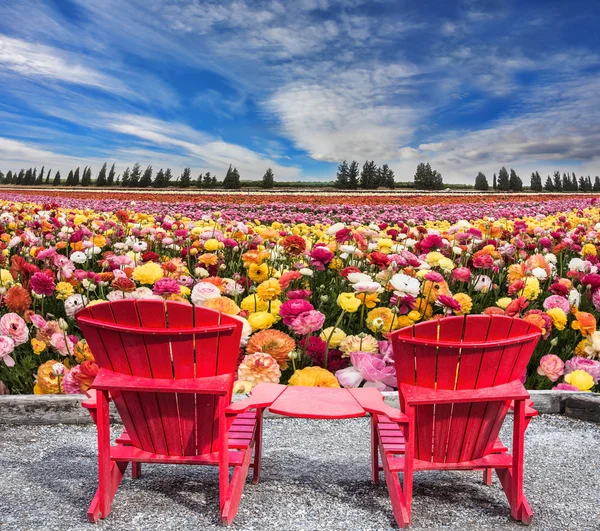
133 177
371 177
511 182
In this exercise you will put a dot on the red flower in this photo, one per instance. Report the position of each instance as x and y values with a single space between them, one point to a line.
42 284
294 245
515 308
433 241
379 259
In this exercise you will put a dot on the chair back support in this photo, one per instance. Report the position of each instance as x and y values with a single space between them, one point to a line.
172 340
456 353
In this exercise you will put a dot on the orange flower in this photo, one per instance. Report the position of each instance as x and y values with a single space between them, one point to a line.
585 323
314 377
216 281
223 305
82 352
277 344
255 257
537 260
259 367
208 259
516 272
536 320
17 299
288 277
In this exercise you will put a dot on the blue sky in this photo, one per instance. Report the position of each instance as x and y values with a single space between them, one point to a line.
301 85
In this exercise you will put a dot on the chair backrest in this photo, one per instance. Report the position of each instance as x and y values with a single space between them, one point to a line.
463 352
134 338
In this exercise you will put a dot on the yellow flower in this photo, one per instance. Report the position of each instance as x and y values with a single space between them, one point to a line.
213 244
380 320
148 273
362 343
589 249
5 277
370 300
64 290
466 304
268 290
385 245
531 290
47 383
580 348
585 323
252 304
348 302
261 320
503 302
580 379
559 318
223 305
433 258
79 219
82 352
258 273
314 377
38 346
446 264
336 337
336 264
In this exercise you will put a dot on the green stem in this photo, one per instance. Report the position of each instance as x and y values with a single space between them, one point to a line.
337 323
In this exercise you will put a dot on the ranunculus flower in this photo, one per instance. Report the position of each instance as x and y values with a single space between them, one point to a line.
405 285
369 367
290 309
551 366
313 377
7 345
461 274
13 326
307 322
204 291
42 284
576 363
580 379
556 301
348 302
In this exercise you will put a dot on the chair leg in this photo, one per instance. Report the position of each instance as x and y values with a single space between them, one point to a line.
399 506
487 476
257 447
233 494
374 451
136 470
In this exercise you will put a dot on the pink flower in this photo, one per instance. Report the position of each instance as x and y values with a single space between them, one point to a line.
64 346
290 309
307 322
70 382
321 256
448 303
42 284
462 274
7 345
38 321
565 387
483 261
556 301
551 366
433 241
13 326
434 276
592 367
166 286
299 294
369 367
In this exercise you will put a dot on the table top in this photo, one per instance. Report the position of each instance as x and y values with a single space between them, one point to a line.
317 403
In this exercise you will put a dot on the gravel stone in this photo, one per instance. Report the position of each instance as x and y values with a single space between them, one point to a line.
316 476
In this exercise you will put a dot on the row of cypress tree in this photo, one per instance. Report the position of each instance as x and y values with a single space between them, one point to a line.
506 181
371 176
134 178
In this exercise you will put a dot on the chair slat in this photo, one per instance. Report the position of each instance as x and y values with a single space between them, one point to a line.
152 314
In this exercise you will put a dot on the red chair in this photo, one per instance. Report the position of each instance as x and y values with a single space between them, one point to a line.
169 369
457 379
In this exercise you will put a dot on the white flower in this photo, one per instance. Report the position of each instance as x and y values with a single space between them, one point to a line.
410 243
404 285
574 297
139 247
204 291
16 240
74 303
594 345
201 272
483 284
367 287
91 251
78 257
350 249
539 273
305 271
143 293
550 258
58 369
336 227
246 330
457 250
577 264
353 278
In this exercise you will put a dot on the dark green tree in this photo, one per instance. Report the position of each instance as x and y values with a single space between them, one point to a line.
495 182
536 182
126 177
566 183
134 177
268 180
48 177
503 180
146 180
86 178
481 182
341 178
582 184
386 177
237 181
574 183
168 177
368 175
515 182
75 178
40 178
427 178
159 180
596 186
101 179
9 177
186 178
111 176
1 177
589 187
557 182
213 182
353 175
199 180
207 180
28 177
549 186
56 181
70 178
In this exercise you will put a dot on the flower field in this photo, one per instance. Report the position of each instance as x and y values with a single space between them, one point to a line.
319 281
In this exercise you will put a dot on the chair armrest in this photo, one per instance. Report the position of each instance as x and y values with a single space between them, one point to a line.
417 396
530 411
263 395
90 401
371 400
108 380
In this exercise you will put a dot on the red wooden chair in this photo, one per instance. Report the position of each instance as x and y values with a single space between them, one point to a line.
169 369
457 379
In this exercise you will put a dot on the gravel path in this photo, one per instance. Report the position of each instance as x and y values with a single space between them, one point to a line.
315 477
